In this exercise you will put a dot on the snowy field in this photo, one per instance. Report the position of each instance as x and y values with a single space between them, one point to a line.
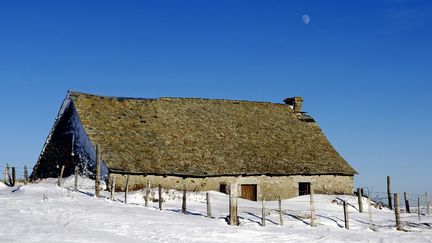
44 212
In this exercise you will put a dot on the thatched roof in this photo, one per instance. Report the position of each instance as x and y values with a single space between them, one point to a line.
206 137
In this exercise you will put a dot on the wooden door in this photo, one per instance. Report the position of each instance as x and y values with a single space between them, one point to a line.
249 191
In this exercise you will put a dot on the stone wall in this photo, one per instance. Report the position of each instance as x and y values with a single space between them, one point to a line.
268 187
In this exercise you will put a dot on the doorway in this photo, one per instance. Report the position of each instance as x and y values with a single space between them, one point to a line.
223 188
304 188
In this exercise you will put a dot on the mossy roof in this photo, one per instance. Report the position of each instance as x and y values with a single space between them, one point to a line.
205 137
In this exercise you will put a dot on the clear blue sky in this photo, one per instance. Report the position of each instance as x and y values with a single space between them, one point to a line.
364 68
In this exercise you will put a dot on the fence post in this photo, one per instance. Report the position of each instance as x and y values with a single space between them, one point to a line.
370 212
7 175
397 211
418 207
427 203
147 194
97 172
113 185
209 213
26 179
263 213
360 199
59 182
312 207
280 211
76 179
13 176
233 218
389 195
184 200
127 188
345 208
407 207
160 196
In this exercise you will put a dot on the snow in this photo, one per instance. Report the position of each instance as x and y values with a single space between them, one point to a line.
44 212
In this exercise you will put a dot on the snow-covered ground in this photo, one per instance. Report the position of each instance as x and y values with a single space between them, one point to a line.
44 212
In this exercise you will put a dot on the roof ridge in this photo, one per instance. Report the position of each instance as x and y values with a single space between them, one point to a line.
71 92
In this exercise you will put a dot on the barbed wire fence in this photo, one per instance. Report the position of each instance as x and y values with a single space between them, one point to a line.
298 210
10 175
301 211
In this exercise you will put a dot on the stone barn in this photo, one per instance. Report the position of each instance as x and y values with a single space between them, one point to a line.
269 149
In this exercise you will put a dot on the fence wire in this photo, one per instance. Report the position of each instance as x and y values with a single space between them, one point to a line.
301 210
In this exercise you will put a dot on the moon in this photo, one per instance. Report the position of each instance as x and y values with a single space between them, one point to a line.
306 19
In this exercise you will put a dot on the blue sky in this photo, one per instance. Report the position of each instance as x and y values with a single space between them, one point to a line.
363 67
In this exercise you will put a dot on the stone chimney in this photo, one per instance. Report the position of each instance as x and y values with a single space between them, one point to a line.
295 103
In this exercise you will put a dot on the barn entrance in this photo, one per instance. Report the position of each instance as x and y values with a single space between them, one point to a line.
223 188
304 188
249 191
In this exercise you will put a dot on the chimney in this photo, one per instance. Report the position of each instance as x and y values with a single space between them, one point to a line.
295 103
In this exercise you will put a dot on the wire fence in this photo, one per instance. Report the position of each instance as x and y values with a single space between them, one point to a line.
11 175
332 209
376 197
293 210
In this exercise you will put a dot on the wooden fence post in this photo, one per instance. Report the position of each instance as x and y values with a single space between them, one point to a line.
209 212
147 193
418 208
184 200
263 213
360 199
127 188
370 212
7 178
407 207
59 182
389 195
113 187
345 208
26 179
97 172
233 218
76 179
427 203
280 211
13 176
312 207
160 196
397 211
